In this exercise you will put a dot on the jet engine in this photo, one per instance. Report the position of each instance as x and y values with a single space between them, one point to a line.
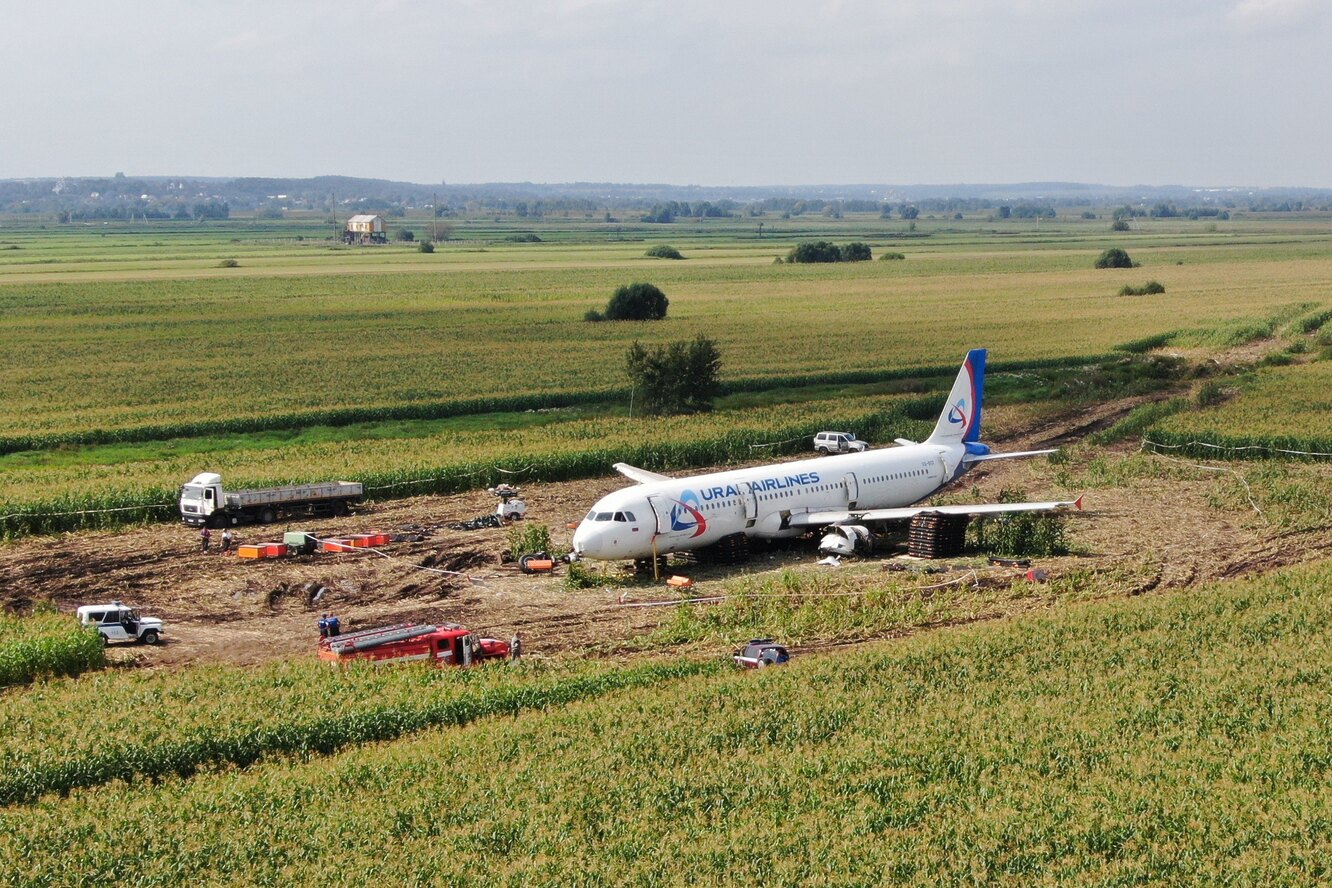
847 539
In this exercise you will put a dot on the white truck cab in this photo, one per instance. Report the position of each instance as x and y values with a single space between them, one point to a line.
117 622
200 498
839 442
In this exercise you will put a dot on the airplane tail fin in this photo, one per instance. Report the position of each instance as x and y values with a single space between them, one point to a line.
961 418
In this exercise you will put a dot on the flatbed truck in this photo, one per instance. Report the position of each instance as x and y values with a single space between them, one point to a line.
204 503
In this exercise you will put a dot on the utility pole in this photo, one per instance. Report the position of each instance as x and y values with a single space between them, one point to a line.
434 218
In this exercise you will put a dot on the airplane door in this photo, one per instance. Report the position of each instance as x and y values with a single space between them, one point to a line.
852 485
748 502
661 514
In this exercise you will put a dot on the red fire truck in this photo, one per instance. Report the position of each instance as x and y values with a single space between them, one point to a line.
445 644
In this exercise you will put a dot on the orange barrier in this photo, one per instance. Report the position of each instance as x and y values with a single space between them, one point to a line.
680 582
337 545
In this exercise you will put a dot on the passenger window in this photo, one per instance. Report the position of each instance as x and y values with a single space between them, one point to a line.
95 618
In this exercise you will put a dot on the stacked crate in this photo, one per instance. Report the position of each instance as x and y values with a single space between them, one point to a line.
936 536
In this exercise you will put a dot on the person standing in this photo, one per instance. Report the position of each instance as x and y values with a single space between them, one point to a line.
323 625
515 647
334 626
226 541
205 537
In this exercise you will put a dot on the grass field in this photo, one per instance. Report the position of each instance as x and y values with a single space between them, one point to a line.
1176 739
135 361
136 338
1282 408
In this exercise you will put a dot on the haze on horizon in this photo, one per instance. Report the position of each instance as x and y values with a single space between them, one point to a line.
1115 92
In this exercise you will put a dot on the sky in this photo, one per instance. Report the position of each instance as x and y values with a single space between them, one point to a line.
705 92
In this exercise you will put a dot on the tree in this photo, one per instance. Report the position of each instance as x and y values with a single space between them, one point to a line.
909 212
679 377
1005 212
1114 258
815 251
1119 225
637 302
856 252
405 234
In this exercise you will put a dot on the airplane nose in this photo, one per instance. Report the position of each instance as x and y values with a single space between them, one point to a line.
584 541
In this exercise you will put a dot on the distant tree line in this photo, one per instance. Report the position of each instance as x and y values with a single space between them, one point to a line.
672 210
211 209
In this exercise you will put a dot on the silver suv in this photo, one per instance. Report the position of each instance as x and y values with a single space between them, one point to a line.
838 442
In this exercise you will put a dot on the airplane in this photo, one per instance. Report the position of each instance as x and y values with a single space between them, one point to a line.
662 515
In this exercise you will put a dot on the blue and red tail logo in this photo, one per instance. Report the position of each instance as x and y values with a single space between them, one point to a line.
687 514
957 414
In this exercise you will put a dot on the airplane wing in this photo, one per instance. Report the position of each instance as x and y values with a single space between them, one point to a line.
824 518
1016 455
642 476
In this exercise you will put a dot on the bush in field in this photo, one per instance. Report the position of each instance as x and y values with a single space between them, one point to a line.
405 234
1151 288
827 251
1210 394
1021 533
228 263
1114 258
681 377
425 246
1119 225
528 539
580 576
663 251
856 251
891 257
636 302
815 251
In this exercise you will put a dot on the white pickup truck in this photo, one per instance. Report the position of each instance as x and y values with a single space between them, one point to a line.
203 502
117 622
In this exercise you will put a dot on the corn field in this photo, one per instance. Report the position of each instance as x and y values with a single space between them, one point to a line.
1176 739
48 500
44 645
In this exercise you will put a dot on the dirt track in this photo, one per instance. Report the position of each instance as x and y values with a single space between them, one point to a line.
224 609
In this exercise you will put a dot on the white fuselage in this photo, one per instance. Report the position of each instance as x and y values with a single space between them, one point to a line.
679 514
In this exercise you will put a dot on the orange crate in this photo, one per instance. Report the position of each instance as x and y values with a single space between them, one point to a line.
274 550
360 540
336 545
249 551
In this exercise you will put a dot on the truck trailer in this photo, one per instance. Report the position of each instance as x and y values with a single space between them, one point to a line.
203 502
444 644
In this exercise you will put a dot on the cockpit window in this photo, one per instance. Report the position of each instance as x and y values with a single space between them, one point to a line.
591 516
629 516
603 516
619 516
